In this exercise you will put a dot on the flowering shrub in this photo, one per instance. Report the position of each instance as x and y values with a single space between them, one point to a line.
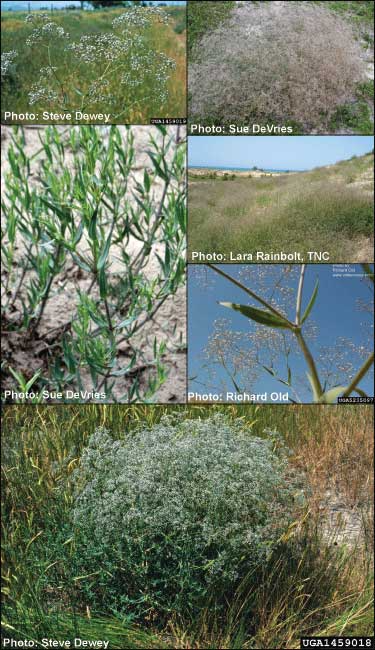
116 64
171 513
284 61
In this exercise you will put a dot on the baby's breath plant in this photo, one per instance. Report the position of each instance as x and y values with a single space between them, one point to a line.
330 375
108 236
122 66
275 62
168 515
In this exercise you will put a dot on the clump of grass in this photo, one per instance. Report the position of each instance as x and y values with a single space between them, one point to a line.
276 64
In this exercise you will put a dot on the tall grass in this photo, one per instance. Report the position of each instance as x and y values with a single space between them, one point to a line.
309 586
328 209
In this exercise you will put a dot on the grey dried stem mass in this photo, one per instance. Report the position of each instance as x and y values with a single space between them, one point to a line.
173 510
289 61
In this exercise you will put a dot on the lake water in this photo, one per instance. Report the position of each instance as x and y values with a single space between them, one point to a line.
244 169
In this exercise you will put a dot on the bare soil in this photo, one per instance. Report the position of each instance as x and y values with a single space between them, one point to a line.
169 324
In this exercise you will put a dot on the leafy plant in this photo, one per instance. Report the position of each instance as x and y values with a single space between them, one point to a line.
93 217
176 511
103 67
272 317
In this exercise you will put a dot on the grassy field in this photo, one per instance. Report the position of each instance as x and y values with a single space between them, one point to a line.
326 209
131 104
312 585
274 93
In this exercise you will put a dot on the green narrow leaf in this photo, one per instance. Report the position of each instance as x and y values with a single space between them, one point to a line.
269 370
331 395
59 211
102 283
311 303
146 181
92 225
258 315
104 254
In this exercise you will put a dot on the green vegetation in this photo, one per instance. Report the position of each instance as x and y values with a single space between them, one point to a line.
79 268
356 9
206 16
56 71
173 511
326 209
315 582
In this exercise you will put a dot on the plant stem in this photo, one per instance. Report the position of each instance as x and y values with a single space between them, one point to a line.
310 362
48 289
251 293
360 374
110 326
299 295
140 258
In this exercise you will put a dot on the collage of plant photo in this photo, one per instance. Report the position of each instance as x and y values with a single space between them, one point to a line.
187 324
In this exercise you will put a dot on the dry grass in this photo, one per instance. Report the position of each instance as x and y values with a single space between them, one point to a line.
328 209
338 452
278 62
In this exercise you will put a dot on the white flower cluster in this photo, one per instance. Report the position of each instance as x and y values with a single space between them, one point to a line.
171 510
37 18
40 93
97 92
140 17
7 60
99 47
137 63
48 30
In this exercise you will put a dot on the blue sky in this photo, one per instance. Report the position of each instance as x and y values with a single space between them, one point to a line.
335 314
275 152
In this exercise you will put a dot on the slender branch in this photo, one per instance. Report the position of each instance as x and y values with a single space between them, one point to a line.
139 259
110 326
48 289
299 295
360 374
310 361
251 293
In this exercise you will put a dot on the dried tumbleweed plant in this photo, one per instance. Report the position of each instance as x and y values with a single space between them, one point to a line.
280 61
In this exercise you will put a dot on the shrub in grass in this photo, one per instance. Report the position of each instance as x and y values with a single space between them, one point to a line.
295 62
174 512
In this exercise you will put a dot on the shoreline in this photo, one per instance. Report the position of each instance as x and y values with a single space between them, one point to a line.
203 171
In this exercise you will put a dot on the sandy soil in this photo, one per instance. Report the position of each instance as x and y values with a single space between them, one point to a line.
343 523
169 324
